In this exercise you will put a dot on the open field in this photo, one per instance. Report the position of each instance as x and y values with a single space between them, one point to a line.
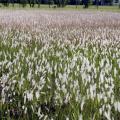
68 7
59 65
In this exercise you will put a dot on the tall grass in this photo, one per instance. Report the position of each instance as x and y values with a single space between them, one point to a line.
59 65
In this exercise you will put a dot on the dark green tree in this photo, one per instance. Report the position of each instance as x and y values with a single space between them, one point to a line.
119 4
97 3
50 2
61 3
76 3
38 2
32 3
86 3
5 2
23 3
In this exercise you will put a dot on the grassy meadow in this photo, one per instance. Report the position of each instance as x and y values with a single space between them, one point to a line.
59 65
114 8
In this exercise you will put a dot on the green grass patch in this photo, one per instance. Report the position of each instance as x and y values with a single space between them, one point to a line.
68 7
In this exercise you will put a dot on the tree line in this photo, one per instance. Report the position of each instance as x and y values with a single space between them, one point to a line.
57 3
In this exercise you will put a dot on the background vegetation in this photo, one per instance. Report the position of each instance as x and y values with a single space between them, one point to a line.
59 3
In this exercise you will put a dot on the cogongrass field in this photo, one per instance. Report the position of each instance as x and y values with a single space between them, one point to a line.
59 65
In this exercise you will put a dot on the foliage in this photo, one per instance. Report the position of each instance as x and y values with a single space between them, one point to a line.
59 3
